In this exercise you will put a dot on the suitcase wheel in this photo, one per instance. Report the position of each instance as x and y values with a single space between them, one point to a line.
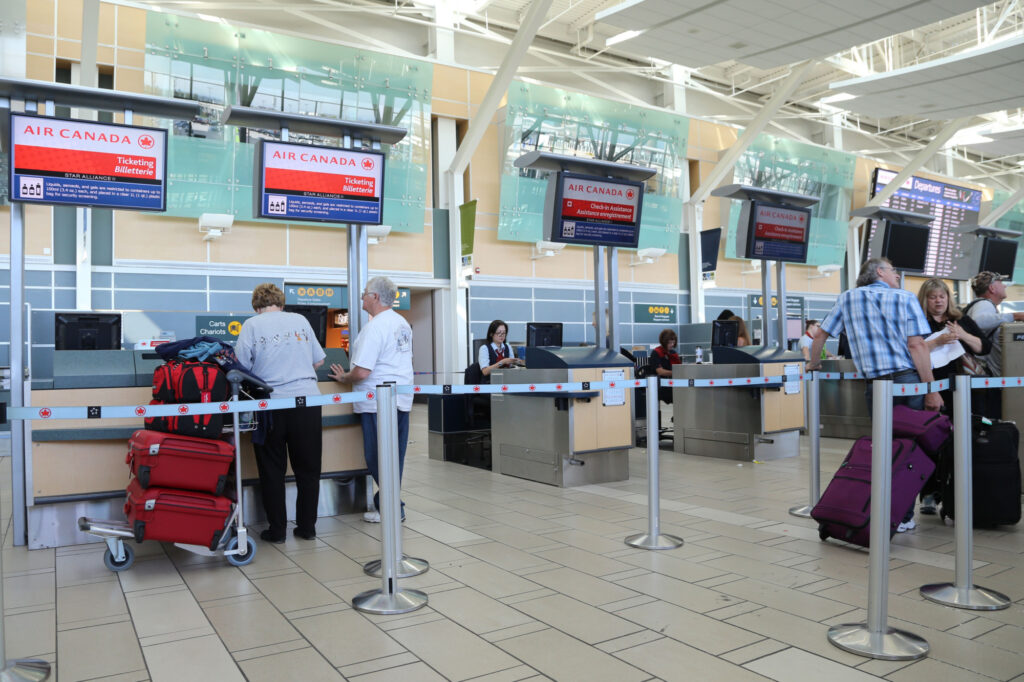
129 558
241 559
222 484
822 533
143 476
139 531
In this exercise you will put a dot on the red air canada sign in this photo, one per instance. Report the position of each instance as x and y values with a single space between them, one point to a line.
593 200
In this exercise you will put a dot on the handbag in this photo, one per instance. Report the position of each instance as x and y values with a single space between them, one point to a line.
974 366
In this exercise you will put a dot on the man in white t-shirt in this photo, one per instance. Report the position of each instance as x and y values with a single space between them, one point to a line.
382 352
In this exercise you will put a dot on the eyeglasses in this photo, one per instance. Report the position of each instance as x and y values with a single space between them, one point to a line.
502 333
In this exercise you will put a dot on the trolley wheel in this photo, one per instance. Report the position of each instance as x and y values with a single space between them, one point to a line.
823 534
114 565
241 559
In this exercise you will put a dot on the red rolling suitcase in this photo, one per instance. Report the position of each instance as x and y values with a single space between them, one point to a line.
174 461
844 511
176 515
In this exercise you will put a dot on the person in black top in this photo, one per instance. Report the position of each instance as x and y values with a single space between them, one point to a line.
662 359
935 299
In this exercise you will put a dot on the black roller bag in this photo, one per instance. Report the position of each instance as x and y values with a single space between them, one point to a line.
995 474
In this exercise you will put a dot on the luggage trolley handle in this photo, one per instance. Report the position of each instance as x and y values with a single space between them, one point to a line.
237 376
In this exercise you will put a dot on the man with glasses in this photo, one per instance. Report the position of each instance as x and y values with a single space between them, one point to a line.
382 352
887 328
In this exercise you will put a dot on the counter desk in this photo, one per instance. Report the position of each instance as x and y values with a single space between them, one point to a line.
844 408
77 467
563 439
745 423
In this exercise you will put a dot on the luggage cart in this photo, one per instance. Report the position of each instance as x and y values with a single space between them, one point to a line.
235 545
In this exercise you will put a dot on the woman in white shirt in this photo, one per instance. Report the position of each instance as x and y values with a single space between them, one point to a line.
495 353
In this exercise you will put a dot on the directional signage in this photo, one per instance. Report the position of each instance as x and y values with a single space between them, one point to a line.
331 295
56 161
306 182
656 314
794 304
220 327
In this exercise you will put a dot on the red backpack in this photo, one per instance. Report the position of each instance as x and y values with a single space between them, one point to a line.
188 381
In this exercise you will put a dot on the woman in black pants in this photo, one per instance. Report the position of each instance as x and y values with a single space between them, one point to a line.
282 349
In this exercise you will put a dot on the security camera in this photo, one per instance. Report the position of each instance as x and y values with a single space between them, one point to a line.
652 253
375 234
830 268
214 225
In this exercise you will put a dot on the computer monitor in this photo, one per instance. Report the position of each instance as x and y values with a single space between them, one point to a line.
794 327
544 334
87 331
906 246
317 316
998 256
725 333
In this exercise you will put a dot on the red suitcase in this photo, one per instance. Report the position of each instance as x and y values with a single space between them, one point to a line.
176 515
174 461
844 511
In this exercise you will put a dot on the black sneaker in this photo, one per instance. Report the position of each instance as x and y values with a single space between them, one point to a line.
267 536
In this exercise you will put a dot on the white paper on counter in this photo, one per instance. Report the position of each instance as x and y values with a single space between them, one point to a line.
946 353
617 395
791 387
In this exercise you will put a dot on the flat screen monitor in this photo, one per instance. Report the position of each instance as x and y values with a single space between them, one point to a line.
725 333
999 256
776 232
544 334
87 331
906 246
596 211
709 242
317 316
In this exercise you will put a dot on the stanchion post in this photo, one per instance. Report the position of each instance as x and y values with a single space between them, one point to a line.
389 599
407 566
653 538
814 443
963 593
875 639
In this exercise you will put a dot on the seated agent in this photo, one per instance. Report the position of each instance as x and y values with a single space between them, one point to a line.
382 352
887 328
810 327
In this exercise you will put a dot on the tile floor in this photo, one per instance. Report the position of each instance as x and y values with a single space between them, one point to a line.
526 582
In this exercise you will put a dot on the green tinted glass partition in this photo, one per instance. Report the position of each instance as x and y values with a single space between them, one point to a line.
553 120
211 166
1013 220
791 166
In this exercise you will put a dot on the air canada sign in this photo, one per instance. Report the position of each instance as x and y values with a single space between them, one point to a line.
598 211
303 182
83 163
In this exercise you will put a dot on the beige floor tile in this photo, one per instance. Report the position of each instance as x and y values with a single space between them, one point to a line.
249 623
514 537
562 657
671 660
585 622
217 581
796 602
441 531
584 561
795 665
21 559
346 637
490 580
89 601
671 565
150 574
930 670
30 591
412 672
328 564
165 613
303 664
199 658
583 587
295 591
795 631
30 635
966 653
754 651
268 559
702 632
503 556
453 651
76 569
477 612
100 651
678 592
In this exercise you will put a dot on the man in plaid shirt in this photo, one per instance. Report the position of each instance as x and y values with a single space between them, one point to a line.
886 328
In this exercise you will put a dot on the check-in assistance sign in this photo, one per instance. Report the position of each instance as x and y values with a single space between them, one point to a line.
55 161
305 182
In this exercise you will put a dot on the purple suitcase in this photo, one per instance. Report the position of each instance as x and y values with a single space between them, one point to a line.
931 430
844 511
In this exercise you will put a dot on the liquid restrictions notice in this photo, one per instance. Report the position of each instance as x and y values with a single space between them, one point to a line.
54 161
305 182
598 211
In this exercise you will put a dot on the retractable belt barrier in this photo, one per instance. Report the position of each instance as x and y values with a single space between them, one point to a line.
35 413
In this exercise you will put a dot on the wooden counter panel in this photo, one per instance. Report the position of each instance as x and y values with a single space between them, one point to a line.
782 411
596 426
80 397
78 467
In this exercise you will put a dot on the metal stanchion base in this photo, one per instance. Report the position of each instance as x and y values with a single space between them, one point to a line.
803 511
407 567
25 670
384 604
974 598
660 541
892 645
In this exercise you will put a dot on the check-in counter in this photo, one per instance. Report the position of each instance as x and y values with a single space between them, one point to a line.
563 439
844 409
77 467
741 422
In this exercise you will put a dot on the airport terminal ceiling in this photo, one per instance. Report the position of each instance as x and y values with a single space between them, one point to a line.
723 60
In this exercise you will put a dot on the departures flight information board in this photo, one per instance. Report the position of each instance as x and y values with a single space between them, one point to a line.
950 204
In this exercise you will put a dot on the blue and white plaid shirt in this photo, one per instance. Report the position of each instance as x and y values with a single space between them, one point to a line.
878 319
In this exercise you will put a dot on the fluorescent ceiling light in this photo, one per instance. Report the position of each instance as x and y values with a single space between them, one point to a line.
622 6
622 37
838 97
